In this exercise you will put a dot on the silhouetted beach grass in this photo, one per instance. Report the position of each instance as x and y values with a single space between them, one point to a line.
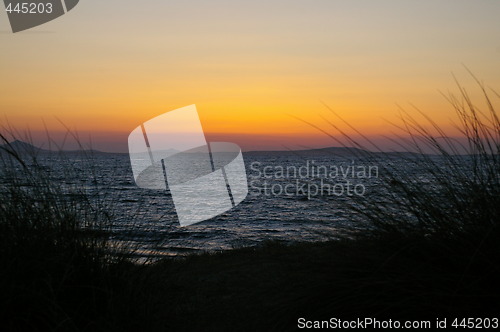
426 247
54 249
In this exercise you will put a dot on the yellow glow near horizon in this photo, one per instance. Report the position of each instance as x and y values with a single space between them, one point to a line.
252 69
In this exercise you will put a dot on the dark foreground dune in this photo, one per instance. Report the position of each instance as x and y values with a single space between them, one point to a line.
266 288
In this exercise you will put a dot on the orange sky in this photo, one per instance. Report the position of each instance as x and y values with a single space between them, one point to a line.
252 68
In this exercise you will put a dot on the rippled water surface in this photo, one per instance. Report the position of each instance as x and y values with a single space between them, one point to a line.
146 218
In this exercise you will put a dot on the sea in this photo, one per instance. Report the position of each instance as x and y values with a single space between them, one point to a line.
292 196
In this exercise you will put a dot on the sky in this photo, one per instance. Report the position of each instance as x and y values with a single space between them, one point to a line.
254 69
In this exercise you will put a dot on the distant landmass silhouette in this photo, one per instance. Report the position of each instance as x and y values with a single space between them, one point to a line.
22 147
19 146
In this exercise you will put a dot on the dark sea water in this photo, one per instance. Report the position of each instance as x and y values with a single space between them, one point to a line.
291 198
147 218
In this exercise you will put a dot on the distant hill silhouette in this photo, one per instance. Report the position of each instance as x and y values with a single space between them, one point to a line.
22 147
346 152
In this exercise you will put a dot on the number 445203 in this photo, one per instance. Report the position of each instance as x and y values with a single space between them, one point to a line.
30 8
475 323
